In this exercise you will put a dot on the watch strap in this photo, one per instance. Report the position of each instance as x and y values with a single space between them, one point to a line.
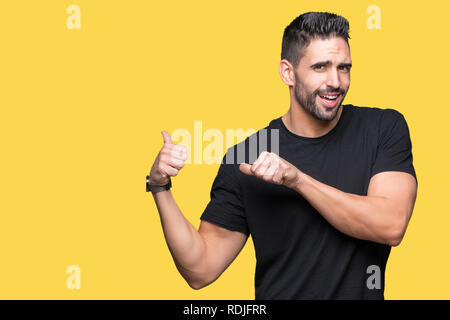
157 188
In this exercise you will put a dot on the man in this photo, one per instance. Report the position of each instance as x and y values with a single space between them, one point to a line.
325 208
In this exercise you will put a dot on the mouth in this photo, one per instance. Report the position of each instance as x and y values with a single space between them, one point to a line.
329 99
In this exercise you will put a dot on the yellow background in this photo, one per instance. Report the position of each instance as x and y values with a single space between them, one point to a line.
82 111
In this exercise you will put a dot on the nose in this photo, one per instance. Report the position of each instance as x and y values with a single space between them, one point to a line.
333 79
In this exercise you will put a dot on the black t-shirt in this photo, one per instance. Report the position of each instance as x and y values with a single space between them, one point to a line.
299 254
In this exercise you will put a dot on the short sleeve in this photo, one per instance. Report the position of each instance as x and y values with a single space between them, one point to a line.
225 207
394 152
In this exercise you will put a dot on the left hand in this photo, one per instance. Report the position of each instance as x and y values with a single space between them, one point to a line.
272 168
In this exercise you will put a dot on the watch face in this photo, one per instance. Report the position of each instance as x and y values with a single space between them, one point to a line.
149 187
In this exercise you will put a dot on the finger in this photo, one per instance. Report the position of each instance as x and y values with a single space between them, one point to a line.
246 168
170 158
170 171
273 166
176 163
258 161
166 137
262 168
178 151
175 151
278 176
271 169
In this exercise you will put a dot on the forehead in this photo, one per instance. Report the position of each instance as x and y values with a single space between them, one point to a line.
334 49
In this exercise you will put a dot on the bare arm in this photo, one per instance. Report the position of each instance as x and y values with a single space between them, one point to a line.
382 216
200 256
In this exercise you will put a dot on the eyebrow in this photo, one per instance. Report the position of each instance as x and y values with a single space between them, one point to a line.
328 62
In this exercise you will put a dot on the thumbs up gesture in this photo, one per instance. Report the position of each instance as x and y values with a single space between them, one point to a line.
272 168
169 161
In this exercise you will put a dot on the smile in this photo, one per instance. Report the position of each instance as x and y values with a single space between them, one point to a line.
329 100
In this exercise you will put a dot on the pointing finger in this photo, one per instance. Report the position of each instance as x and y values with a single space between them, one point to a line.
246 168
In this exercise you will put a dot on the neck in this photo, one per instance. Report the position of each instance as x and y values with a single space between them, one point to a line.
302 123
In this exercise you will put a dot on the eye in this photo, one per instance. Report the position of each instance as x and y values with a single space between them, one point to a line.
319 67
344 68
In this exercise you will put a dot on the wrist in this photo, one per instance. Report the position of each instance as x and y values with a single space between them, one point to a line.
301 179
154 188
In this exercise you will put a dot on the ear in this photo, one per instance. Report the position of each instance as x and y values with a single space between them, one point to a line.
287 73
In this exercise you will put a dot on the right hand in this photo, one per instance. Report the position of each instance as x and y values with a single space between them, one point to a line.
169 161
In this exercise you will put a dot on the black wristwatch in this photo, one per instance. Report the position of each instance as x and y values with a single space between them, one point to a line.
156 188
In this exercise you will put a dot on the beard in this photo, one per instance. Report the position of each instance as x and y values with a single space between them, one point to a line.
308 101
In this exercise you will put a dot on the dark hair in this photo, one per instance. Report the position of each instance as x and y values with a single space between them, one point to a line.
311 25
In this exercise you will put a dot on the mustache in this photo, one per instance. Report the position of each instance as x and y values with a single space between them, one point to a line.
330 90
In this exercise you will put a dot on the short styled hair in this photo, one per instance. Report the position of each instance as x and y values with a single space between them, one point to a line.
311 25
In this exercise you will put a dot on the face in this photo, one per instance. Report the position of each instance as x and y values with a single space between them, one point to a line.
322 78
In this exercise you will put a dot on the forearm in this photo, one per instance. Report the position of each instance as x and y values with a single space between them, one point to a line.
362 217
185 243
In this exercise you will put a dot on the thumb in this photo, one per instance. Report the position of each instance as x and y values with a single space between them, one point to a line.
166 137
245 168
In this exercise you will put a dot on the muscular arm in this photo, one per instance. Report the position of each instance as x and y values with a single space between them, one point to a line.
381 216
200 256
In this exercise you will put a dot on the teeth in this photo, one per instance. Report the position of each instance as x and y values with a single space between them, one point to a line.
330 97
